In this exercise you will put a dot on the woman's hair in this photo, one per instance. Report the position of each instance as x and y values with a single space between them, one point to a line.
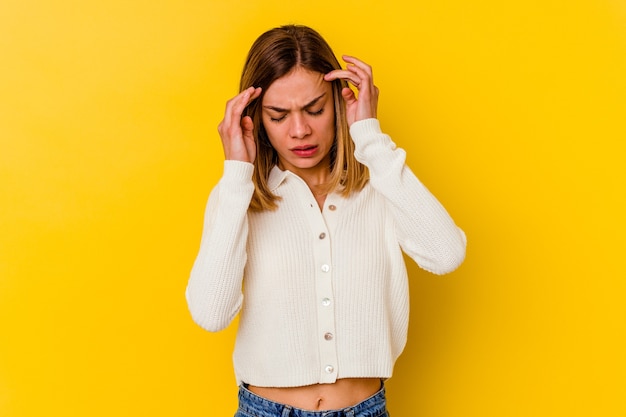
273 55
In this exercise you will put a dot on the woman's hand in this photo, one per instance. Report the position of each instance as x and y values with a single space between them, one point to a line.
359 74
235 131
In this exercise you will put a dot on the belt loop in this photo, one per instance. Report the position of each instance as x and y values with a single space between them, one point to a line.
286 411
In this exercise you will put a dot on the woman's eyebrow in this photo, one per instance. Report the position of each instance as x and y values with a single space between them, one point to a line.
306 106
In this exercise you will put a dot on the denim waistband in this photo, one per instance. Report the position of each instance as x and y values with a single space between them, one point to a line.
374 406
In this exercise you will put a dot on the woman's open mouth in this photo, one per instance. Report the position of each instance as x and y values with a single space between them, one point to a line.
305 151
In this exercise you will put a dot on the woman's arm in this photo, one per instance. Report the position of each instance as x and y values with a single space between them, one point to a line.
426 232
214 289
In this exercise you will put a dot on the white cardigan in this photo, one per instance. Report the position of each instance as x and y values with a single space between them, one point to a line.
322 294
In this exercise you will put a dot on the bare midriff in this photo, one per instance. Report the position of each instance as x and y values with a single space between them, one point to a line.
341 394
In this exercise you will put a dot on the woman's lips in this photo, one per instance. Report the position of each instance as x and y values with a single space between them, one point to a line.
305 151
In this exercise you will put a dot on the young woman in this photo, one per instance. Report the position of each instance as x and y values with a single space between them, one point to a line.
304 233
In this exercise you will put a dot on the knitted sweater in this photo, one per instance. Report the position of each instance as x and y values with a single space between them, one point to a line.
322 294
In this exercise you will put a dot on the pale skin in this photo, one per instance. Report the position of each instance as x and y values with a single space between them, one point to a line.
298 115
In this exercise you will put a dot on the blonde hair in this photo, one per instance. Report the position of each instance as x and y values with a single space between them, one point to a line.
273 55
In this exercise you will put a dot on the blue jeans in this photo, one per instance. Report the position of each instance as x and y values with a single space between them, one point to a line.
251 405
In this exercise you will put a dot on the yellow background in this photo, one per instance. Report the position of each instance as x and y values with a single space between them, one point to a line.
513 113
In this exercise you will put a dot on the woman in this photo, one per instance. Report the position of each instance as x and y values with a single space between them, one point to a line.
304 233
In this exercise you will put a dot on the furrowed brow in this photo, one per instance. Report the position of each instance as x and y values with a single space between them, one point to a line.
306 106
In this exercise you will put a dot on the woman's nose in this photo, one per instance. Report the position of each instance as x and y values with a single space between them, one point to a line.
299 127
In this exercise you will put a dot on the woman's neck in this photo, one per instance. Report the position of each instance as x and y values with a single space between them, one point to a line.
317 178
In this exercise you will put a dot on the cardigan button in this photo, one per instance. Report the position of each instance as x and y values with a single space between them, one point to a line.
322 235
325 302
325 268
329 369
332 207
328 336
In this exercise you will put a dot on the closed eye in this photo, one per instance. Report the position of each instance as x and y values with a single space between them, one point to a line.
316 113
312 113
283 111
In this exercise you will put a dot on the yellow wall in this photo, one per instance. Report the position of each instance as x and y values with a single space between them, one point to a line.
512 113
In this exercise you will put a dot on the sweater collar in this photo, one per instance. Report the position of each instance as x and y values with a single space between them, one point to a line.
276 177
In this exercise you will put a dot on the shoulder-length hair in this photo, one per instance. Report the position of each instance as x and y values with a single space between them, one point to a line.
273 55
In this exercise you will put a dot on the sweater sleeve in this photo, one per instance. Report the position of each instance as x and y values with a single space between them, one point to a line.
214 293
425 230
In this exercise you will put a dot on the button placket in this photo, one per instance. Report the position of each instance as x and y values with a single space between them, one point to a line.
326 324
327 347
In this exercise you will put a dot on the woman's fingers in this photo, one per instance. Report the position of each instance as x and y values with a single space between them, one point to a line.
247 127
360 65
359 74
346 74
236 105
348 96
235 132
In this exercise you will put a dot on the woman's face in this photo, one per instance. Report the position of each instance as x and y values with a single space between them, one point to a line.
299 117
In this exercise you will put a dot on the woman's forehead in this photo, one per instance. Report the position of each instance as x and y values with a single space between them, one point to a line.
296 89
